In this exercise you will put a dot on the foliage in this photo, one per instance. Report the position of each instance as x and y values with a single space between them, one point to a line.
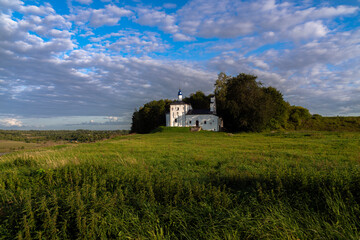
198 100
317 122
277 110
150 116
220 93
245 105
297 115
173 185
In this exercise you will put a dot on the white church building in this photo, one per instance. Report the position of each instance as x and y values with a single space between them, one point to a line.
182 115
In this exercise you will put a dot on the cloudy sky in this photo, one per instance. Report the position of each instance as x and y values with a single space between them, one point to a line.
80 64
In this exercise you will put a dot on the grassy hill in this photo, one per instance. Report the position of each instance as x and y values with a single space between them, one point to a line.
176 184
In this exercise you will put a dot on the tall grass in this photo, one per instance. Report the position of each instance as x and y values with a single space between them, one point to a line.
182 185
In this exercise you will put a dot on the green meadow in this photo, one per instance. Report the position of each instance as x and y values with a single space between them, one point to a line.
7 146
177 184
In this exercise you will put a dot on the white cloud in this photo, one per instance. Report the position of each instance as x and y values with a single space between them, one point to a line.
42 10
10 4
26 36
208 19
87 33
231 19
335 49
11 122
162 20
59 34
329 12
8 26
110 16
228 19
135 42
152 17
182 37
313 29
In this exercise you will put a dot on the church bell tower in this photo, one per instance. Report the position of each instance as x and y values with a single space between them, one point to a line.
180 95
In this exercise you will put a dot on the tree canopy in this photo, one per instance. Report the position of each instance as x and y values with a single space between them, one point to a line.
245 105
297 116
199 100
150 116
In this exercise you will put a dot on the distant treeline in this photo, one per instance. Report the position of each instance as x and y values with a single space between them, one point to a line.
36 136
245 105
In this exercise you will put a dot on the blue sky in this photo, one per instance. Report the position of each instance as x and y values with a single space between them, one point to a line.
87 64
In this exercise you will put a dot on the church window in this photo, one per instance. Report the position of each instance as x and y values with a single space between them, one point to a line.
190 122
177 109
204 122
175 119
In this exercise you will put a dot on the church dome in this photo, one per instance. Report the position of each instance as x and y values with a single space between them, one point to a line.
180 95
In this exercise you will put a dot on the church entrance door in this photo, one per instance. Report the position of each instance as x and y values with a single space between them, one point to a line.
197 123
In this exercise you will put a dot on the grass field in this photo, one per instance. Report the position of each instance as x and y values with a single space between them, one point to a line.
7 146
175 184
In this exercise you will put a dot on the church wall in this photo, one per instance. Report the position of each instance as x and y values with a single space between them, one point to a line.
177 115
212 121
178 118
167 116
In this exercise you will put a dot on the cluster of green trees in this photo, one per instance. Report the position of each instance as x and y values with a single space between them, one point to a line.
199 100
244 104
150 116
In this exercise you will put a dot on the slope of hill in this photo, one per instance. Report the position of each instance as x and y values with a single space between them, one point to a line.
175 184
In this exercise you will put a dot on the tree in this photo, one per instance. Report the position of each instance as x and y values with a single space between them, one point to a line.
199 100
245 105
220 93
277 108
297 115
150 116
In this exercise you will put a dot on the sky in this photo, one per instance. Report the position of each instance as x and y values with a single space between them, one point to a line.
88 64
